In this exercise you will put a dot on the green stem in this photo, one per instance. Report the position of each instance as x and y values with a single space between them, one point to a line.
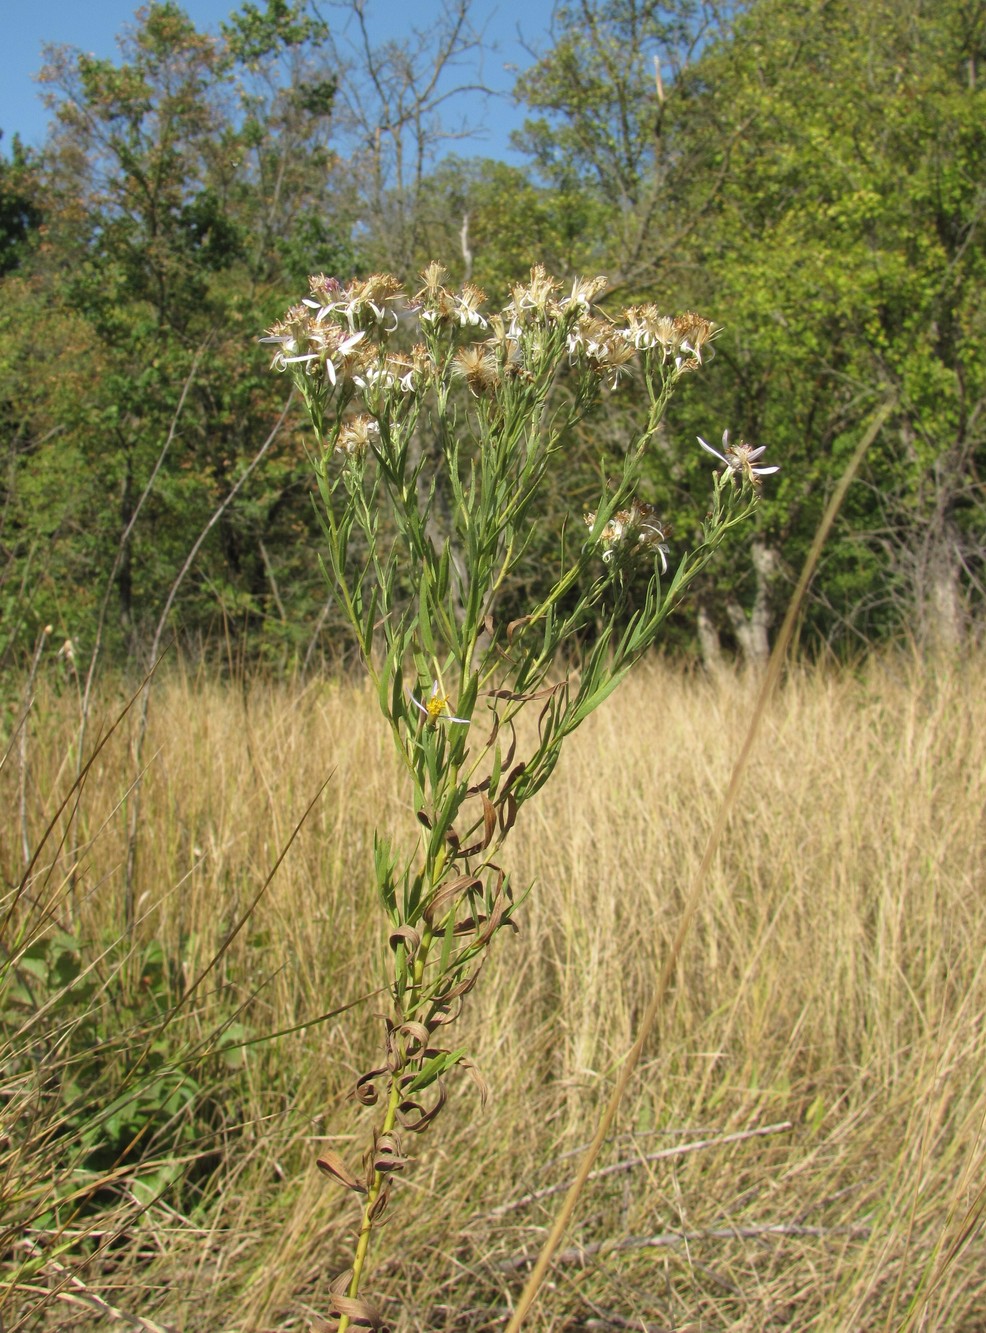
389 1121
376 1185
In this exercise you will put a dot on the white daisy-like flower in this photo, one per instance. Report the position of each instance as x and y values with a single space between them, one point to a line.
435 708
740 459
467 303
339 352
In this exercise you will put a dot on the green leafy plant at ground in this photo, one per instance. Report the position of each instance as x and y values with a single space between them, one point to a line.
437 425
106 1107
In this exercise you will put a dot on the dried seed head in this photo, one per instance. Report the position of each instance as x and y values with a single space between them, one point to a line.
695 333
356 434
613 361
535 299
434 277
478 366
584 292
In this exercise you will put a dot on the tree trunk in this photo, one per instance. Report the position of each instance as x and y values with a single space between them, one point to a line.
708 639
943 611
752 630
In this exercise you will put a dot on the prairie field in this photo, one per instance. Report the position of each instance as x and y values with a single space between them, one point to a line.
803 1145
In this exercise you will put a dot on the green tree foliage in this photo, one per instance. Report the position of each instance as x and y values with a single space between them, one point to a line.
812 176
494 222
21 212
843 248
189 186
599 123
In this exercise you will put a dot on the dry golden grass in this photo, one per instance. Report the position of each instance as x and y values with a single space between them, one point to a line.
832 982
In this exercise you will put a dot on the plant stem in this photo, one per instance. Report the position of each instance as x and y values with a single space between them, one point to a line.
366 1229
387 1127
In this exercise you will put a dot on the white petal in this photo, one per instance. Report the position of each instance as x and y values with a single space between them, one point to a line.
708 448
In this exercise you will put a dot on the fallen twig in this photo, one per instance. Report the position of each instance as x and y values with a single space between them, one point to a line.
680 1150
575 1253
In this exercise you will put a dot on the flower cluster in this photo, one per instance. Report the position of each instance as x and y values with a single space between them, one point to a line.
437 306
338 335
602 346
304 339
367 304
679 338
634 533
537 301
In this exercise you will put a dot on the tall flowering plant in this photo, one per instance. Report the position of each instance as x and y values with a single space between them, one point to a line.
436 425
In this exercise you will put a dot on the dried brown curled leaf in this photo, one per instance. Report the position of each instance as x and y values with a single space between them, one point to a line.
444 1013
508 812
409 937
415 1116
416 1033
471 1069
332 1165
519 624
366 1090
361 1312
489 828
447 894
387 1154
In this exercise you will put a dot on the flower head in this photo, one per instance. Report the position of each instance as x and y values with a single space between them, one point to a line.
435 708
740 459
477 365
634 532
467 303
438 306
290 335
356 434
536 298
695 333
365 303
584 292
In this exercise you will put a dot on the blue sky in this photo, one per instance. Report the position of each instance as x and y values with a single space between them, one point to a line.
93 26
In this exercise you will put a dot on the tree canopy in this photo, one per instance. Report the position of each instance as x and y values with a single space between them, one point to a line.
812 177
